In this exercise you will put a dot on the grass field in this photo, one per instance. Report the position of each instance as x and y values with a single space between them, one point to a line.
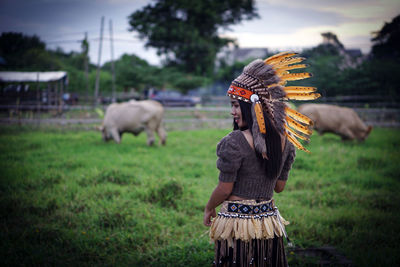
67 198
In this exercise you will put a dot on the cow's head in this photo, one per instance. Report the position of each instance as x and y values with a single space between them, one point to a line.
364 134
104 133
369 129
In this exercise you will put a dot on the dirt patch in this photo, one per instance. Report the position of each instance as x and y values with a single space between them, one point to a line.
322 256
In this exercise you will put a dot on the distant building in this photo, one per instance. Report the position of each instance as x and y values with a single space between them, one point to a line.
33 90
354 52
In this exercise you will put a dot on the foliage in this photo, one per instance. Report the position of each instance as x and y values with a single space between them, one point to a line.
134 72
379 77
187 32
387 40
131 72
174 78
378 74
67 198
22 52
105 81
374 76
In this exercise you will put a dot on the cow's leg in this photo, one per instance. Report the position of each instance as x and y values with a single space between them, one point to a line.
346 134
150 135
162 134
115 135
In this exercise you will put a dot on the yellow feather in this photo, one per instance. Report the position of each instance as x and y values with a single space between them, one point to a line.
283 220
296 76
278 57
239 235
257 227
282 82
214 225
296 134
292 67
298 116
303 96
263 228
236 231
268 227
288 61
299 89
260 117
273 85
251 228
280 73
220 228
245 233
241 228
297 126
277 228
228 229
296 143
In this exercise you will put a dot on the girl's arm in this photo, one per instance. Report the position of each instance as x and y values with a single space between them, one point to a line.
219 195
279 186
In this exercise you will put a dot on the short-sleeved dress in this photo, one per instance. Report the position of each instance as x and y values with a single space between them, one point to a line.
250 231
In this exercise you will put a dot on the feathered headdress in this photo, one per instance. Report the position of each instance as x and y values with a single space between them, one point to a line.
262 83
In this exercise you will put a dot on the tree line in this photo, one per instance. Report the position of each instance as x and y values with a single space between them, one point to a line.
190 45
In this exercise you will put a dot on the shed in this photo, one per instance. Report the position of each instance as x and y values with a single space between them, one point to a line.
33 90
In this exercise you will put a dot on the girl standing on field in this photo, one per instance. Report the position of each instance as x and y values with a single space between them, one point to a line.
254 161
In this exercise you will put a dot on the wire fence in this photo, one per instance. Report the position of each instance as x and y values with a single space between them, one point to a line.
179 117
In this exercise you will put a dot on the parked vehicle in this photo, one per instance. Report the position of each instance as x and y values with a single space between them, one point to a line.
174 99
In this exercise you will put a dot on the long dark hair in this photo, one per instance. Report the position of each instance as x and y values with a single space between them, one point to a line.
272 140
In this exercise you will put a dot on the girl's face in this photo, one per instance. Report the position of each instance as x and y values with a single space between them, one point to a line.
237 113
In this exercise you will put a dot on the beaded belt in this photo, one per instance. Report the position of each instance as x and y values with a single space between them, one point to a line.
246 220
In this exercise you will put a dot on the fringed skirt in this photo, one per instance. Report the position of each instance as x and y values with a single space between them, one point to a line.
249 233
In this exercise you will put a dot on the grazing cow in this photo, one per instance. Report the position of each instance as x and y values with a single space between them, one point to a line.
134 117
338 120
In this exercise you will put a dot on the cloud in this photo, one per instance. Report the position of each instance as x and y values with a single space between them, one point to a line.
352 9
283 19
348 34
299 24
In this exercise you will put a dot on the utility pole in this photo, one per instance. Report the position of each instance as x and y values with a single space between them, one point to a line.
97 85
112 62
85 51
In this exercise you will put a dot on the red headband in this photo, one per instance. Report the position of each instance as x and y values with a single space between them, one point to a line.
240 92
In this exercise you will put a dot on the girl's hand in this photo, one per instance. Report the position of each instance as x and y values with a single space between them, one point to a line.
208 214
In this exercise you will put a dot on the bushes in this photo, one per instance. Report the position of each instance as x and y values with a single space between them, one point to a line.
167 194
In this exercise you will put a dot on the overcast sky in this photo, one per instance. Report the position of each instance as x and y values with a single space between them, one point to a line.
283 24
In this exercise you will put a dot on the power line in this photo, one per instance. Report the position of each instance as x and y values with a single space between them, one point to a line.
63 41
92 39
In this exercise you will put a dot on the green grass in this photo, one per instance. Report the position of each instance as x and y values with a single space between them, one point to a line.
67 198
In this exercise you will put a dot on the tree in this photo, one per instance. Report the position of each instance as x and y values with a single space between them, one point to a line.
186 32
22 52
387 40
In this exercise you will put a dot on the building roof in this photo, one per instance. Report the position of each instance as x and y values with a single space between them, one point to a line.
18 76
354 52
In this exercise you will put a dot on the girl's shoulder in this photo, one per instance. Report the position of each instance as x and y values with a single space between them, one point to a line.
231 143
234 136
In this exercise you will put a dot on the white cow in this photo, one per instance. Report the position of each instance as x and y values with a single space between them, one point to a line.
338 120
134 117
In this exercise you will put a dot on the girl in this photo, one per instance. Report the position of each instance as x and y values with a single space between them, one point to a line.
254 161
